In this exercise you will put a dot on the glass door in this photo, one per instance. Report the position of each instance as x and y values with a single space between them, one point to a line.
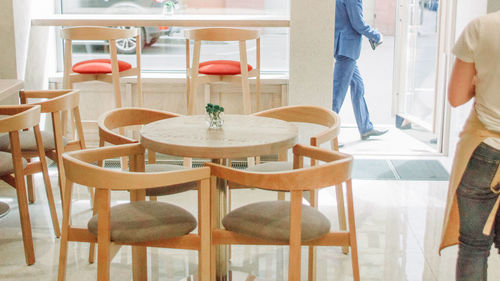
421 67
416 62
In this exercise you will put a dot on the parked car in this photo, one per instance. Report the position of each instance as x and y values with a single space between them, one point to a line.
149 34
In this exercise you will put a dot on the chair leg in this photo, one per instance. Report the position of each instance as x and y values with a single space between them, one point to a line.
63 250
92 244
103 235
22 199
31 189
46 179
341 212
24 216
352 233
313 199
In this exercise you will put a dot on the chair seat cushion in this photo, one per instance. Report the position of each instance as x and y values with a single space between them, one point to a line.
171 189
146 221
99 66
270 220
6 165
221 67
28 141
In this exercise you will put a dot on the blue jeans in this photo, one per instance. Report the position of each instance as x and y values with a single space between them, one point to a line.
475 202
346 74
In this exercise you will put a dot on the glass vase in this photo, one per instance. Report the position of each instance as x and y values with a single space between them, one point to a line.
215 121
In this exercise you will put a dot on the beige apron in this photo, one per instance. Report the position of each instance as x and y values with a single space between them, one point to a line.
472 135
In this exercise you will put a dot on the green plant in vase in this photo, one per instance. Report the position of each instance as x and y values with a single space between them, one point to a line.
215 113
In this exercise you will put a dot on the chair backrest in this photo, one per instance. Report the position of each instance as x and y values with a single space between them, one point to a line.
308 114
221 34
97 33
21 117
79 170
58 102
122 117
335 170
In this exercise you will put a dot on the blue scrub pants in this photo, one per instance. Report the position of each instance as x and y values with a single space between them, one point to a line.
346 74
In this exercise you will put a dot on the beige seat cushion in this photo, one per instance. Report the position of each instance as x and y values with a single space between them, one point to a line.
147 221
28 142
6 165
270 220
171 189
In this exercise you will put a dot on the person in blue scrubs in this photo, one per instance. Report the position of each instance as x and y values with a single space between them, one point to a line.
349 28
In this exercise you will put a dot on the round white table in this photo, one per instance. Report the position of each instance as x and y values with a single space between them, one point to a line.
240 136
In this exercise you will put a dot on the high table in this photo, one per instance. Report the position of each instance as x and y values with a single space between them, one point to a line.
240 136
8 87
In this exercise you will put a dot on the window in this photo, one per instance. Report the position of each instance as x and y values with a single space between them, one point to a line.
164 46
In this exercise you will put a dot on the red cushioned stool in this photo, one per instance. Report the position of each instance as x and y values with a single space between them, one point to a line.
221 70
108 70
99 66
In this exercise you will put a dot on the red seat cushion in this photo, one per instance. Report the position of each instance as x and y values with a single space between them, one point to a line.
99 66
221 67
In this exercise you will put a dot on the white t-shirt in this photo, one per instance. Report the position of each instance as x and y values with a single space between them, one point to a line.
479 43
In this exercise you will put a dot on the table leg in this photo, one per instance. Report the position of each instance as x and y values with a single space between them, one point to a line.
221 250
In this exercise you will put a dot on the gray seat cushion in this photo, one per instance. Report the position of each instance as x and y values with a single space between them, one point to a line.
146 221
28 142
171 189
6 165
270 220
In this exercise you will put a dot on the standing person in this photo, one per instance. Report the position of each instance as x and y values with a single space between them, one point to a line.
472 218
349 26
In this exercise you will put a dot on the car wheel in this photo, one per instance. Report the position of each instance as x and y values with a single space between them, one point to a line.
128 45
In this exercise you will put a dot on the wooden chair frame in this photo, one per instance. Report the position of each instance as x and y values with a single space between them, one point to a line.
319 116
80 171
194 78
110 35
335 171
22 117
58 102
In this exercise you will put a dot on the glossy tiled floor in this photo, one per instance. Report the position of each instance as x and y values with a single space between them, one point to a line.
398 228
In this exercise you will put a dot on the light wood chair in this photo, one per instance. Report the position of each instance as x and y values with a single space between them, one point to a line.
14 167
312 115
237 72
133 116
55 103
140 224
289 223
105 70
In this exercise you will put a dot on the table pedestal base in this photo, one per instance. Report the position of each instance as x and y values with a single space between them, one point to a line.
4 209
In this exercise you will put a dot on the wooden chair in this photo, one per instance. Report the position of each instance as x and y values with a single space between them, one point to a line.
133 116
140 224
312 115
105 70
14 167
289 223
221 70
55 103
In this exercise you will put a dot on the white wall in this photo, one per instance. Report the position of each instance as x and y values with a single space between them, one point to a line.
25 54
311 52
7 37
